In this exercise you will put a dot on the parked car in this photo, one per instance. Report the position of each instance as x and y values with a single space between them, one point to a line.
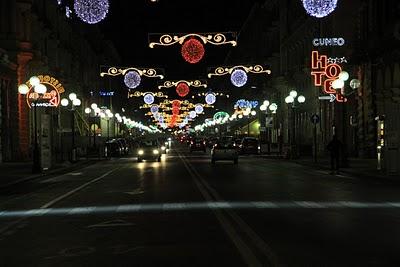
113 148
224 150
197 144
149 150
212 141
124 145
249 145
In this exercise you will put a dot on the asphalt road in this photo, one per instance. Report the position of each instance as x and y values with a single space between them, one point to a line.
184 211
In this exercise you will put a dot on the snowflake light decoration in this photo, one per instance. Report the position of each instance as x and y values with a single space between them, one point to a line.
199 108
192 50
319 8
210 98
182 89
154 109
239 77
132 79
91 11
148 98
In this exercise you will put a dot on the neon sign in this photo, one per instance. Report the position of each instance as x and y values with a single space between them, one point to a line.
328 42
104 93
48 99
324 74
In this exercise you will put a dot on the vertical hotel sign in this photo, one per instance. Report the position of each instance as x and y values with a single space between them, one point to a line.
50 98
324 74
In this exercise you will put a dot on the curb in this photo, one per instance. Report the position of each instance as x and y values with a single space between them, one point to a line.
50 172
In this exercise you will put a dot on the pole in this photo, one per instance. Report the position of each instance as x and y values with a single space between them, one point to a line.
294 152
108 129
248 125
73 151
36 168
315 142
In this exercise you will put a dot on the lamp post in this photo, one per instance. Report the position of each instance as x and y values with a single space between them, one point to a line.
291 100
39 89
75 101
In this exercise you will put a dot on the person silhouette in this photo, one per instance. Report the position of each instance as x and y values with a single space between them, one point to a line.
334 147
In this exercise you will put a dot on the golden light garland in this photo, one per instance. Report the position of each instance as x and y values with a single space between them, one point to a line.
139 94
148 72
211 38
220 71
190 83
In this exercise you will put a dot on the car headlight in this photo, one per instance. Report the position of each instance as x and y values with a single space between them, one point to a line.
155 151
140 152
163 147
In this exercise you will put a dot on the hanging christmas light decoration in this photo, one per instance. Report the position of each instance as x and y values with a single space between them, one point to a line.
176 103
192 114
199 108
239 77
192 51
154 109
148 98
319 8
210 98
91 11
182 89
132 79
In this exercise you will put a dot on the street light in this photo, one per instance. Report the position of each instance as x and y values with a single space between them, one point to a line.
291 100
38 88
75 101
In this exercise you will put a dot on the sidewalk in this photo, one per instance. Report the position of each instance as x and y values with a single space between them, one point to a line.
362 168
17 172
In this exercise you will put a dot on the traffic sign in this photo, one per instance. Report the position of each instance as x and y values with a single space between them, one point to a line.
314 118
330 97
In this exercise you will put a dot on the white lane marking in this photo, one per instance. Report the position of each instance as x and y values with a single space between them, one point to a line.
246 253
58 199
129 208
81 210
113 223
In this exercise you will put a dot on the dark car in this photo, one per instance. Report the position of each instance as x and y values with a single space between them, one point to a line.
249 145
124 146
149 150
113 148
197 144
212 141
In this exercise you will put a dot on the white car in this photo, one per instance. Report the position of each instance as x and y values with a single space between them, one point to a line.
224 151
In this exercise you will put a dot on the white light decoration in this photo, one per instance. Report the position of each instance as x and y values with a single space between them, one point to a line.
301 99
148 98
192 114
64 102
273 107
319 8
93 106
239 77
199 108
253 112
76 102
91 11
266 103
40 88
132 79
337 84
154 109
88 110
289 99
210 98
72 96
34 80
263 107
355 83
240 116
23 89
344 76
293 93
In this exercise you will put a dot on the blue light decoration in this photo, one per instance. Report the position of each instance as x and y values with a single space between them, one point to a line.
106 93
210 98
239 77
192 114
132 79
243 104
198 108
148 98
154 109
319 8
91 11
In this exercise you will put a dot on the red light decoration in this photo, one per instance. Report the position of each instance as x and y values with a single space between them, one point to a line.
192 50
182 89
176 103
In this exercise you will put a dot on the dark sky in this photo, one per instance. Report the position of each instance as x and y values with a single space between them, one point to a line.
129 22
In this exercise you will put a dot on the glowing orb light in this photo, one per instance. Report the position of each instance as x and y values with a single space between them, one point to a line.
91 11
154 109
199 108
176 103
319 8
210 98
182 89
132 79
192 114
192 50
148 98
239 77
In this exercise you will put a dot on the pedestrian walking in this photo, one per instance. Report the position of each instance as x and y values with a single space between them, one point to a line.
335 147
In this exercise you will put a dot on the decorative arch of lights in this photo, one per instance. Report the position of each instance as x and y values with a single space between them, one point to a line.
116 71
190 83
221 71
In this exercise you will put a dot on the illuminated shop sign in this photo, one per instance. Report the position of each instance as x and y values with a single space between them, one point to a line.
325 73
242 103
104 93
328 41
50 98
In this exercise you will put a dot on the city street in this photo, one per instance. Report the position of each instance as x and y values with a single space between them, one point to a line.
184 211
